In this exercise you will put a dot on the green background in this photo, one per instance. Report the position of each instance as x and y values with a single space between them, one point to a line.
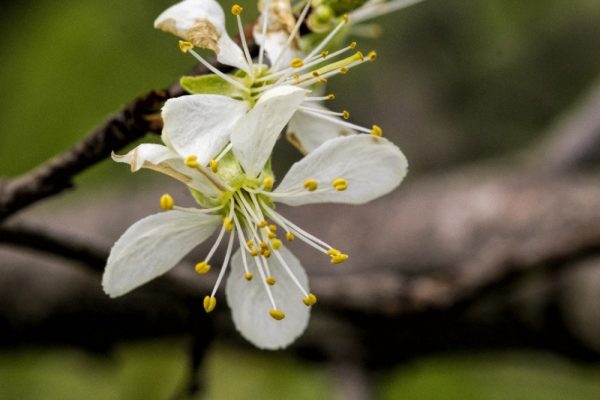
456 81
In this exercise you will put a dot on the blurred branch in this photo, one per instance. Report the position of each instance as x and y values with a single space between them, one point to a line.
574 142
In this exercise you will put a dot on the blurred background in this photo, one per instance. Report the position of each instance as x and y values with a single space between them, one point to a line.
456 83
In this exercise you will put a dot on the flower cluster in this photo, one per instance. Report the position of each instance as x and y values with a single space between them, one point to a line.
219 140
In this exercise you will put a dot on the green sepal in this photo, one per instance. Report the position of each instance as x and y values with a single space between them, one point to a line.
202 200
208 84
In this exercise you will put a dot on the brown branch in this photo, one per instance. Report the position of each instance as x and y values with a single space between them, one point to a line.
122 128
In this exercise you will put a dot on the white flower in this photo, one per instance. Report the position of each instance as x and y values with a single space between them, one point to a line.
235 195
201 23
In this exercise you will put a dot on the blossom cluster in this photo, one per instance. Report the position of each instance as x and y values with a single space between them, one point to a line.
219 139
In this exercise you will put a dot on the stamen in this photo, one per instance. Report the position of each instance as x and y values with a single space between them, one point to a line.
328 38
339 258
224 152
345 114
210 302
227 224
192 161
224 266
236 10
276 314
340 184
291 274
248 276
213 166
376 131
296 63
266 253
293 34
185 46
249 244
271 281
311 185
290 236
261 52
276 244
273 228
372 56
310 300
202 268
339 122
268 183
262 224
166 202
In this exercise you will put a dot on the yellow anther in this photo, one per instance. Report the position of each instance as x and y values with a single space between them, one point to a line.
266 253
236 9
227 224
166 202
248 276
376 131
276 244
273 228
268 182
330 96
345 18
202 267
339 258
276 314
345 114
310 300
315 74
185 46
271 235
324 53
353 45
340 184
372 56
253 252
263 245
213 166
323 80
344 70
192 161
290 236
296 76
311 185
250 243
270 281
296 63
209 303
262 224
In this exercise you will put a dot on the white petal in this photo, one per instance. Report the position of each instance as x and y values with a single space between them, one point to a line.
162 159
147 153
256 132
202 22
250 305
372 167
152 246
307 132
200 124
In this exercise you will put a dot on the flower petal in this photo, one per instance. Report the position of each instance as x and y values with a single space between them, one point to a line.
200 124
256 132
162 159
372 167
280 24
306 132
202 22
152 246
250 304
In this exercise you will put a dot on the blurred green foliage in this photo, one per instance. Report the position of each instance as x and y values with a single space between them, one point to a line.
156 371
456 80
